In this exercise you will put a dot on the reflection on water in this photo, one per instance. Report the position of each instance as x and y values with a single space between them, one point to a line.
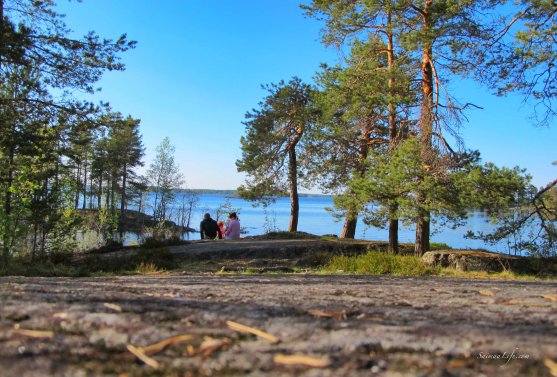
314 218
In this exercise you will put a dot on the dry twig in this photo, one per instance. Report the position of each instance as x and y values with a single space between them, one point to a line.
552 366
157 347
116 308
550 297
137 352
486 292
33 333
243 328
211 345
302 360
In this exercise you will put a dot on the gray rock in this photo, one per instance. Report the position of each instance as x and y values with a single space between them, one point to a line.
469 260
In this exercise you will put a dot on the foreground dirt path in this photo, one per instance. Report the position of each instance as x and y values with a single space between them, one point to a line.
351 325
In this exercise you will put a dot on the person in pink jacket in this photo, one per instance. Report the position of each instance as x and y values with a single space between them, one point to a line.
232 231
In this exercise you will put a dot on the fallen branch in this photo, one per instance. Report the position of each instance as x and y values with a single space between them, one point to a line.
302 360
116 308
137 352
33 333
243 328
157 347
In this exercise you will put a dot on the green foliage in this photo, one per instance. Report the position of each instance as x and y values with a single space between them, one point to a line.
436 40
521 57
439 246
46 140
377 263
530 227
447 194
274 134
164 177
270 222
226 208
354 106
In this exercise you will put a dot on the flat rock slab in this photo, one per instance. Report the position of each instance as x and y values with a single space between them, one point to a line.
352 325
290 249
259 248
242 245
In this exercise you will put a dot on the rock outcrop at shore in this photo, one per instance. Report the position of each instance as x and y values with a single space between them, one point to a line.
471 260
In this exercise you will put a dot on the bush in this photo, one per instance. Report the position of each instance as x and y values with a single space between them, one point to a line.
439 246
376 263
152 242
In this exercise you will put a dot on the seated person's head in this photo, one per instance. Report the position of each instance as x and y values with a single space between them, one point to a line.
207 216
233 215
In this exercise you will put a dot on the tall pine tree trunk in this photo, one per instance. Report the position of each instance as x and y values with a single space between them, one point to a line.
121 223
91 189
100 191
426 130
422 233
77 186
393 207
113 196
6 242
351 220
107 195
393 235
84 204
293 181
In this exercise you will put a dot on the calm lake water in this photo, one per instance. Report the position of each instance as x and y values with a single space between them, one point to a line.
316 220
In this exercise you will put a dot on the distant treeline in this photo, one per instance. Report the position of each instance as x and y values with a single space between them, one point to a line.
234 193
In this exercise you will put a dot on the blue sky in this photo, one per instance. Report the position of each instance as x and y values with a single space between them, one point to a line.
199 65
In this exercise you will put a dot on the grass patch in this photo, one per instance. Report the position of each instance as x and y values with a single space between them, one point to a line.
438 246
149 268
24 267
502 275
138 261
376 263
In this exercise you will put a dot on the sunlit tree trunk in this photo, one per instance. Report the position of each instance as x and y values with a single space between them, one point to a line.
351 220
294 199
426 130
393 207
123 199
349 227
84 204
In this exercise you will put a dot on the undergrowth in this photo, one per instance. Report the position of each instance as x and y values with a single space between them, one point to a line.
374 263
377 263
138 261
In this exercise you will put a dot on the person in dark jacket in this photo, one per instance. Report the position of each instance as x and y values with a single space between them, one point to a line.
209 228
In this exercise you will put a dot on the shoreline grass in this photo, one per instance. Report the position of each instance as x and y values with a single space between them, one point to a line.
159 260
377 263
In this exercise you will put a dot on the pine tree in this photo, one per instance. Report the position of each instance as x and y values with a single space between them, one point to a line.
366 104
273 143
445 36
